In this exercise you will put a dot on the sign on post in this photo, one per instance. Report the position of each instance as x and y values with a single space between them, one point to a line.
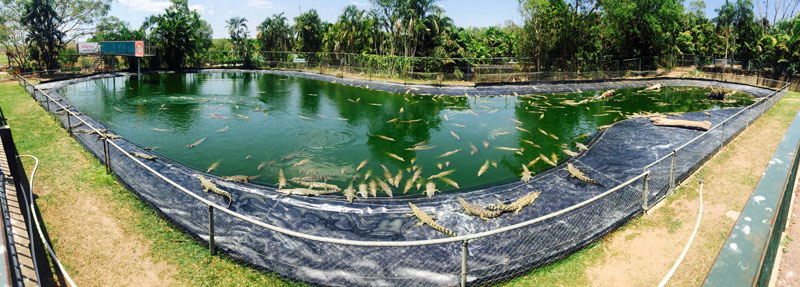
139 49
88 48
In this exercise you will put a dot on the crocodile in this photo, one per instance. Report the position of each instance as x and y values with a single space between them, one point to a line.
209 186
239 178
281 179
144 155
575 172
194 144
385 187
517 205
526 174
306 191
425 218
608 94
83 131
310 178
571 153
350 193
110 136
475 210
373 188
656 88
430 188
316 184
362 190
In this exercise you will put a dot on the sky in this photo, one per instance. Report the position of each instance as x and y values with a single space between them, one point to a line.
465 13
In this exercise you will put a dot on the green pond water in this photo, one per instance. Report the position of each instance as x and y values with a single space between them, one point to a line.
314 128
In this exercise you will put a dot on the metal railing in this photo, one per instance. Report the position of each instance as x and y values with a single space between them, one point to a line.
656 172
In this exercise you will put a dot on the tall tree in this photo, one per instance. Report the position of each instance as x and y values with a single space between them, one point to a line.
237 28
180 34
407 21
309 31
274 33
42 22
13 34
641 28
78 16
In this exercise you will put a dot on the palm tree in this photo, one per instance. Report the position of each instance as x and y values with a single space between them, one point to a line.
237 28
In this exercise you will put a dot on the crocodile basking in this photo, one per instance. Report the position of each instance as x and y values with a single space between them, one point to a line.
350 192
430 188
475 210
526 174
239 178
517 205
305 191
144 155
425 218
575 172
315 184
209 186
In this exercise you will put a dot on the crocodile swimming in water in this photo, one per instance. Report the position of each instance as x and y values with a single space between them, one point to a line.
475 210
239 178
517 205
575 172
209 186
425 218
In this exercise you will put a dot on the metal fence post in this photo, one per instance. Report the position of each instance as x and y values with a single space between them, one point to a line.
464 263
645 192
69 122
211 246
672 172
106 154
722 135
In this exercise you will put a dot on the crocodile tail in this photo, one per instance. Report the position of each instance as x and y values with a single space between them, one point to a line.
499 206
442 229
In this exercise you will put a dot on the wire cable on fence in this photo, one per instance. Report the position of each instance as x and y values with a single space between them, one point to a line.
39 227
688 244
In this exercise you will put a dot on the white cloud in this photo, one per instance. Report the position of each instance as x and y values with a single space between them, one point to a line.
146 5
259 4
361 4
200 8
211 12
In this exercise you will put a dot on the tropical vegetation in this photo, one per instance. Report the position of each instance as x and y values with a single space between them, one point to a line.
556 32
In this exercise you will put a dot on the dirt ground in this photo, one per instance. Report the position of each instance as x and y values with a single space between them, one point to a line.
789 271
644 250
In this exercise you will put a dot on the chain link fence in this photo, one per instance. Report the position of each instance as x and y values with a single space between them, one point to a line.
433 70
484 257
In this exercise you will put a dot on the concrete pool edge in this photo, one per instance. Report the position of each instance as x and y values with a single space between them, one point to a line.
443 203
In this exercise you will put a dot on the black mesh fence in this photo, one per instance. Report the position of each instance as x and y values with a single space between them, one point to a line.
305 240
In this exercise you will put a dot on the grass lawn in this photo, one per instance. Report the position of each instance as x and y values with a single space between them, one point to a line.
105 235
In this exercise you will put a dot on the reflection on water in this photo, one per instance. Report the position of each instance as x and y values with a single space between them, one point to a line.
256 123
